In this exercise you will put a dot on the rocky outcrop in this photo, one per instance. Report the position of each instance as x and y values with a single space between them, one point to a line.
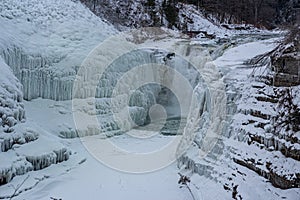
283 181
279 175
271 136
286 61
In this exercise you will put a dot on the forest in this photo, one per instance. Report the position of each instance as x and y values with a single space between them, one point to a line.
261 13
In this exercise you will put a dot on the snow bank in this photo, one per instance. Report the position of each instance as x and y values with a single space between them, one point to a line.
31 154
193 19
11 166
19 137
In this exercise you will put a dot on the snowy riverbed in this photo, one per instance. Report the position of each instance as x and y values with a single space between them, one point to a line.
44 45
83 176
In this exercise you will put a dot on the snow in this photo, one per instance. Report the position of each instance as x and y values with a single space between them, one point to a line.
101 181
242 103
7 141
234 57
45 42
91 179
11 106
197 22
42 43
42 152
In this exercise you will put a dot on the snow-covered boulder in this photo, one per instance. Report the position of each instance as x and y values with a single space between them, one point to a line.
285 60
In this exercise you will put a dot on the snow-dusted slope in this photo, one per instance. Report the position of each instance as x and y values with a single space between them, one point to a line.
247 149
143 13
192 19
218 176
22 149
44 42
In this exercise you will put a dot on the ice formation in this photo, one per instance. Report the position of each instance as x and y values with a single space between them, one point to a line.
42 44
136 80
7 141
11 97
11 166
119 102
48 69
32 156
37 75
45 42
46 154
247 141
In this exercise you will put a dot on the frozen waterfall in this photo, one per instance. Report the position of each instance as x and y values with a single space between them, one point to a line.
113 90
38 75
11 105
181 79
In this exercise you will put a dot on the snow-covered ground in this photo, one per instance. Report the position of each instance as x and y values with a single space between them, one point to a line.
45 42
83 176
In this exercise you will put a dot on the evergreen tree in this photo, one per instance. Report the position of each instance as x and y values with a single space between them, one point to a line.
171 13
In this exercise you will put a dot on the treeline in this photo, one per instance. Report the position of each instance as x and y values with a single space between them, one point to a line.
268 13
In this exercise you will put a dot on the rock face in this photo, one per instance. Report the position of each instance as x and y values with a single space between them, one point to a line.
274 128
249 143
278 133
270 170
286 61
276 136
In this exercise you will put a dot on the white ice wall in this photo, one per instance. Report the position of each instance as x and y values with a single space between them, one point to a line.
45 41
11 106
38 77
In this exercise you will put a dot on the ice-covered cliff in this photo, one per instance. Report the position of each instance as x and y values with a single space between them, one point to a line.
45 42
42 44
137 79
250 143
15 137
11 97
